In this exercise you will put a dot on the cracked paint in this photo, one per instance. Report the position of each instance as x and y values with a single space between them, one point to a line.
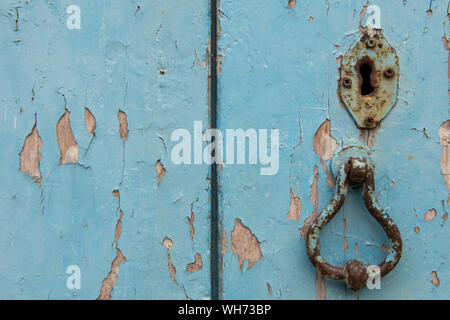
245 244
111 280
30 156
66 141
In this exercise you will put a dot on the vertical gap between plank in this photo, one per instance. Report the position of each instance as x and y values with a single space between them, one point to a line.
215 278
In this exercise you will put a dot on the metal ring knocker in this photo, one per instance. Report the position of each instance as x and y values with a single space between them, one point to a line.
355 274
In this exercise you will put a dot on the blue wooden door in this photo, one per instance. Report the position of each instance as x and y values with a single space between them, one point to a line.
280 65
90 108
108 191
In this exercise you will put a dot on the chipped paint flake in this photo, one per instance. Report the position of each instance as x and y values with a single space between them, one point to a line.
30 156
291 4
245 244
295 207
196 265
90 121
269 289
435 279
168 243
430 214
160 170
123 130
66 140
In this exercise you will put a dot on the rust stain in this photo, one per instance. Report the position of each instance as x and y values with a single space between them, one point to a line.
295 207
324 144
430 214
435 281
356 248
30 156
160 171
66 140
245 244
196 265
444 139
321 291
168 243
314 197
416 229
123 125
291 4
90 121
111 280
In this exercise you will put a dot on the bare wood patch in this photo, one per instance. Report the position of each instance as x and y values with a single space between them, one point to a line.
123 130
30 156
196 265
324 144
245 244
321 291
367 136
444 139
295 207
66 140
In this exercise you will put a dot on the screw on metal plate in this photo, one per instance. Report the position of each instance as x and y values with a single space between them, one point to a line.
357 170
369 79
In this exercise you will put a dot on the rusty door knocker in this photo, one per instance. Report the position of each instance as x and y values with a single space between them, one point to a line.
368 88
355 172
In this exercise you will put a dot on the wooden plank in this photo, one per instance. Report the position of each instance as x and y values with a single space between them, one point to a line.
279 70
140 69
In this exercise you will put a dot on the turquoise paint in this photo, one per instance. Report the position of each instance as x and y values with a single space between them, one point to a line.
112 63
278 68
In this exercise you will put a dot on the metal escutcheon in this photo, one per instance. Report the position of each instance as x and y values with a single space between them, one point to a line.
357 171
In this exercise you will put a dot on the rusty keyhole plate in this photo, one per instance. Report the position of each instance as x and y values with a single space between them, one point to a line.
369 76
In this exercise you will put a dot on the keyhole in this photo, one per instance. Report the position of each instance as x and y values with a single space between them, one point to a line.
366 87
